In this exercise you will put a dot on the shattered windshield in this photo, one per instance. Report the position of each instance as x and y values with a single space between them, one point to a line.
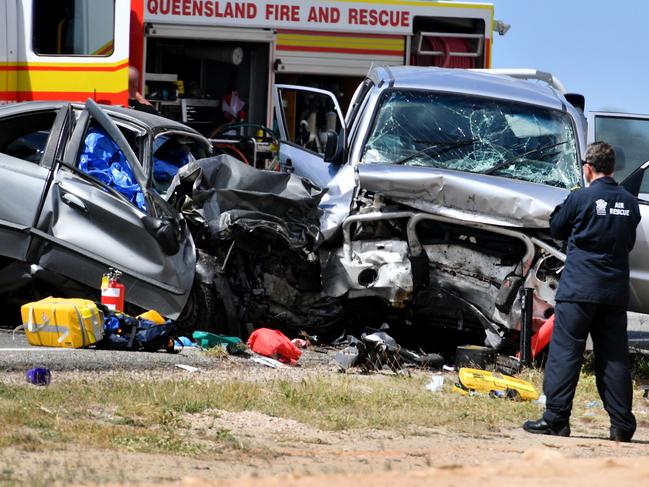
474 134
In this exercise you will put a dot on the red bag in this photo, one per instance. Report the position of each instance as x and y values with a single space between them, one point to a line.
274 344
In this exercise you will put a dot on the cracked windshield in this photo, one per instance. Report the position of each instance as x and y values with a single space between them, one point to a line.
473 134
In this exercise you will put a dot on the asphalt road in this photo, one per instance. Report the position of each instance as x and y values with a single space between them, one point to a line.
17 355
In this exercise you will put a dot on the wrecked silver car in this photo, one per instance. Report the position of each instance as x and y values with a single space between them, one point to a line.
83 191
439 185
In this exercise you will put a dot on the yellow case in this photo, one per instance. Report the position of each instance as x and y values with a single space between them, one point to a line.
492 382
65 323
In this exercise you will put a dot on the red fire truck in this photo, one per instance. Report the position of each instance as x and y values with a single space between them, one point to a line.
192 53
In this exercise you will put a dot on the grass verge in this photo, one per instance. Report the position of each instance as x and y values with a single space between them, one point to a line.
152 416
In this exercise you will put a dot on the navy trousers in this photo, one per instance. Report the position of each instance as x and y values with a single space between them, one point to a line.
607 327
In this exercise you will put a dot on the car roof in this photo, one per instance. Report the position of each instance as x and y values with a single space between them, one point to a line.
469 82
155 123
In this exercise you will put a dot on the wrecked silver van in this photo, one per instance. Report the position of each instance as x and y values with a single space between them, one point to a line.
440 185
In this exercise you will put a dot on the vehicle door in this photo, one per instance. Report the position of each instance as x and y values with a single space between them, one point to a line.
629 136
304 117
90 225
30 137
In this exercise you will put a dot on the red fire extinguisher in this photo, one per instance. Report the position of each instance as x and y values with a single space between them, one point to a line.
112 291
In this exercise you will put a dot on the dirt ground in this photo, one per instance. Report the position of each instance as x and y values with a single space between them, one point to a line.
288 453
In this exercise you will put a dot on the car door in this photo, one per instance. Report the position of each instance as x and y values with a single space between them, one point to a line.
29 137
304 116
629 136
88 227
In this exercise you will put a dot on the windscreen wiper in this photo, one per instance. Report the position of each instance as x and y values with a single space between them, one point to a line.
518 157
443 147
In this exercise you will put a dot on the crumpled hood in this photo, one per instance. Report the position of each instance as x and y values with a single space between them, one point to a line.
465 196
234 198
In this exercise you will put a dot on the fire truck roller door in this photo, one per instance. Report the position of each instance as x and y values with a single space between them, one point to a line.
208 70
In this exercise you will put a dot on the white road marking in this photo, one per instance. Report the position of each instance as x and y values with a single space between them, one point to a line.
35 349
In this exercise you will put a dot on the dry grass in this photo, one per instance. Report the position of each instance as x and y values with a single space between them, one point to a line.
183 417
151 416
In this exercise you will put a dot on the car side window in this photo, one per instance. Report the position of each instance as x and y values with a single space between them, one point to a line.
171 151
308 117
630 140
100 157
25 136
639 185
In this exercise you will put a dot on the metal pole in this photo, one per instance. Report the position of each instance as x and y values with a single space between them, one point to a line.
526 327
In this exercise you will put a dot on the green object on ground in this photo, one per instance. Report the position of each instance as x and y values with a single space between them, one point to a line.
210 340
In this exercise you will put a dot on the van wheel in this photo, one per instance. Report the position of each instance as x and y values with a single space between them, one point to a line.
201 311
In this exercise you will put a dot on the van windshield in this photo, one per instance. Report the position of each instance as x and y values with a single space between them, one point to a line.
474 134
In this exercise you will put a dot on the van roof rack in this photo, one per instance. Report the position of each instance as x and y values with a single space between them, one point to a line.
528 74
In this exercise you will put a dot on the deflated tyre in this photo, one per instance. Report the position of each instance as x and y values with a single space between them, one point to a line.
201 310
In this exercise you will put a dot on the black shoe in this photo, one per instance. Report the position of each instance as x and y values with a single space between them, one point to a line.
620 435
542 427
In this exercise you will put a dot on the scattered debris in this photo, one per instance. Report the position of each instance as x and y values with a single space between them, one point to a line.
436 383
274 344
268 362
494 384
124 332
188 368
508 365
208 340
377 350
39 376
152 315
184 342
300 342
474 357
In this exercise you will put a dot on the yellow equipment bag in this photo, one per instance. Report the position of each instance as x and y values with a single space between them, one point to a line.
495 384
66 323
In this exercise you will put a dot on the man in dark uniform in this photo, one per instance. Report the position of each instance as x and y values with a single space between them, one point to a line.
599 222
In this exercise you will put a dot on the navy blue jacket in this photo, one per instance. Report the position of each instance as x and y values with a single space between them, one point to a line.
599 223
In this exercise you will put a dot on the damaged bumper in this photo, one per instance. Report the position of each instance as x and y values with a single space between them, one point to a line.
449 249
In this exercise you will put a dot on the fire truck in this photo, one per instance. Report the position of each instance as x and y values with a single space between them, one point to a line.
193 53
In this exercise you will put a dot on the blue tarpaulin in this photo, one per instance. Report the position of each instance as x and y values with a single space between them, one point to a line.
102 159
168 157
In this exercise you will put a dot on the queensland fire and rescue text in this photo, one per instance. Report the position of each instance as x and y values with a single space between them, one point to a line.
281 12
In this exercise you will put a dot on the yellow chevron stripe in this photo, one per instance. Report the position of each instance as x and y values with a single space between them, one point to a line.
350 45
72 81
326 41
55 64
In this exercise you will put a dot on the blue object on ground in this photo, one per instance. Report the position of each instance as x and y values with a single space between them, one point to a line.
185 342
39 376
